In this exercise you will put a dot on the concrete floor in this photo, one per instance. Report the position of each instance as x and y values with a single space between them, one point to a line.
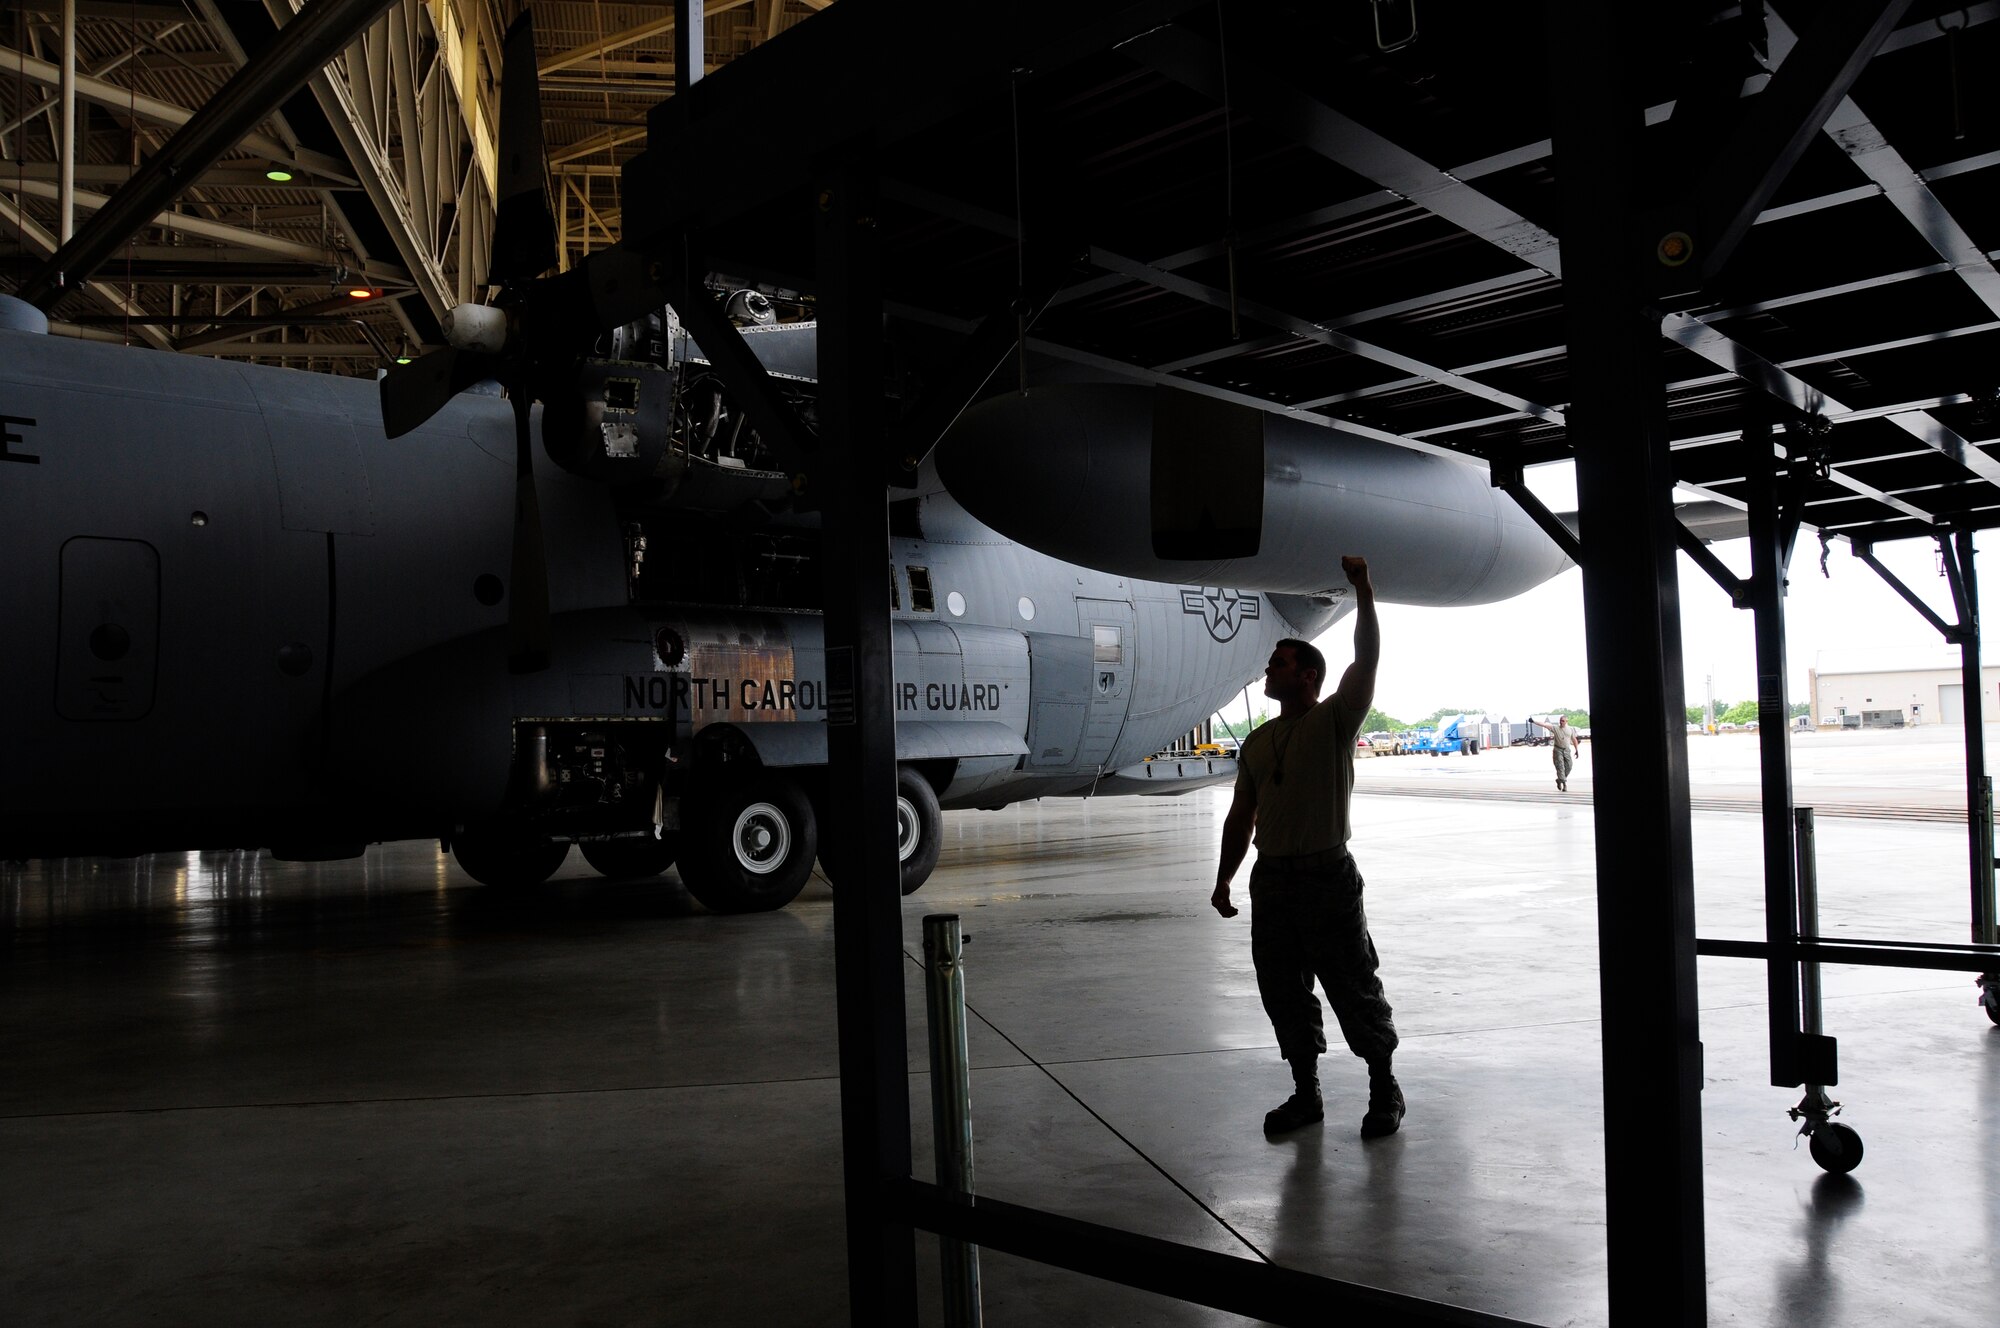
239 1091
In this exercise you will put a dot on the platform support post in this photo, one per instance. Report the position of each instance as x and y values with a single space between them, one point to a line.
1645 909
1957 555
1774 742
951 1107
860 807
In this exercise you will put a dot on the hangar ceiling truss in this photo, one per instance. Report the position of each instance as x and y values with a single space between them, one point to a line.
390 150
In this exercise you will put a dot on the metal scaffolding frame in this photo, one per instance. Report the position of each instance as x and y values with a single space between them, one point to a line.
690 182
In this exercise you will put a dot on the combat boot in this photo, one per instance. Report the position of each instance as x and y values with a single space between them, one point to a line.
1303 1107
1385 1103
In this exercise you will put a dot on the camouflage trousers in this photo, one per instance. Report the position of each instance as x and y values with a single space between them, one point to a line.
1564 762
1306 922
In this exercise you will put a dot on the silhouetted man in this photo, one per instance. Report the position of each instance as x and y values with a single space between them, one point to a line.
1295 778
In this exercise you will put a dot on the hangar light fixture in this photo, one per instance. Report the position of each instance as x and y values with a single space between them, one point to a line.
278 175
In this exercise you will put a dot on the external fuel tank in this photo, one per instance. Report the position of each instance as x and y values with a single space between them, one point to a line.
1173 486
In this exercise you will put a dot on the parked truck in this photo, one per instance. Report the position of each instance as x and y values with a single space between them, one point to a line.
1457 736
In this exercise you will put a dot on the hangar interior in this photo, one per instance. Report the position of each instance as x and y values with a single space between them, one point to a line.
1773 288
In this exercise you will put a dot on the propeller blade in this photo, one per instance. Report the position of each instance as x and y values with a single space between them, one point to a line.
528 633
524 227
412 393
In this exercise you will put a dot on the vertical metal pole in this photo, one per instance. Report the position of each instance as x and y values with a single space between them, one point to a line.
1774 742
860 820
1978 805
1808 859
690 59
66 85
951 1106
1645 898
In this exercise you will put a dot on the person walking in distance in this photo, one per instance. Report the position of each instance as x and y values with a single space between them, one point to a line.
1563 739
1295 779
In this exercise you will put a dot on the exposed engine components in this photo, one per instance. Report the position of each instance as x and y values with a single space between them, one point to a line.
575 781
615 425
751 306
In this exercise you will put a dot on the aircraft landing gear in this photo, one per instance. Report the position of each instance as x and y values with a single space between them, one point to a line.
503 856
919 833
749 846
1836 1147
1989 995
626 859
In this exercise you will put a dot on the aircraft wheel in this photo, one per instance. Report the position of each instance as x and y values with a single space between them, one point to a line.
919 828
1837 1148
749 847
624 859
503 856
1989 997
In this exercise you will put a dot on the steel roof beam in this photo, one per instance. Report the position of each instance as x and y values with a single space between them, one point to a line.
184 224
1775 133
1916 34
1139 372
1311 331
124 100
397 194
225 39
35 234
1905 189
632 36
219 177
821 85
1197 64
302 46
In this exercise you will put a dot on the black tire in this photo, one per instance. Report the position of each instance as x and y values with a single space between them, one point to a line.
919 831
502 856
1990 998
749 847
626 859
1837 1148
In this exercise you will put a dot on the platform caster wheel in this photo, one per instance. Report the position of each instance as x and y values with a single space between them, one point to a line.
1837 1148
630 859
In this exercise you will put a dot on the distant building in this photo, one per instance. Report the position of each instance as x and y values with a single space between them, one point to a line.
1894 686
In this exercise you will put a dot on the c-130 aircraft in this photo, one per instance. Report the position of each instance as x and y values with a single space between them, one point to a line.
248 614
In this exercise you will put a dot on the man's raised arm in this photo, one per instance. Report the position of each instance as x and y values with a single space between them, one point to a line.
1357 685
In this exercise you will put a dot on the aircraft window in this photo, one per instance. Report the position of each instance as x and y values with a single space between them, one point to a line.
1027 608
1107 645
895 591
956 603
921 599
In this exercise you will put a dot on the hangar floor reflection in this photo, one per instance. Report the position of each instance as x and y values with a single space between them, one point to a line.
244 1091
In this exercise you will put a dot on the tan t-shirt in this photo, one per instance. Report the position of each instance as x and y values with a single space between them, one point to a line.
1306 810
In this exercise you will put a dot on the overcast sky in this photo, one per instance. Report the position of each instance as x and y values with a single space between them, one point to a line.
1527 654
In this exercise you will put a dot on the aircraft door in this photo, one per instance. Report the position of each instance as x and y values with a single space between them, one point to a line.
1107 627
1059 683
